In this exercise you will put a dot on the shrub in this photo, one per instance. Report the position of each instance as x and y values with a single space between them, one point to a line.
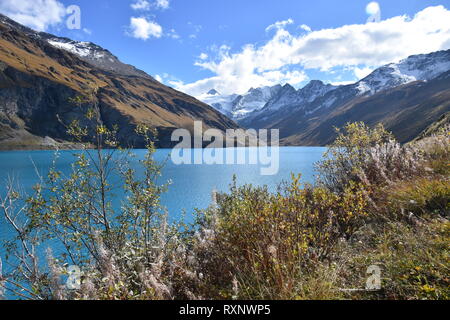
267 242
369 156
126 253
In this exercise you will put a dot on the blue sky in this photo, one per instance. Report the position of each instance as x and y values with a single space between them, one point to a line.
196 45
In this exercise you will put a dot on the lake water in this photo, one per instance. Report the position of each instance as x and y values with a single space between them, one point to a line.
191 186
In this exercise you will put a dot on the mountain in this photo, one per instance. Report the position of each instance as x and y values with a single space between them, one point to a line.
422 67
287 101
406 110
407 97
40 73
237 106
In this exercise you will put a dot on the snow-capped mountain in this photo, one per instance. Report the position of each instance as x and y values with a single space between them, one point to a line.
237 106
254 100
41 73
422 67
86 51
265 99
222 103
287 101
255 107
406 97
94 54
291 98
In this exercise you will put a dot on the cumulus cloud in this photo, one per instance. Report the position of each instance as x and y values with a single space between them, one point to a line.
36 14
359 46
141 28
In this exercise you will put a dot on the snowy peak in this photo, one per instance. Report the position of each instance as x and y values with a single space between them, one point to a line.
239 106
95 55
315 89
264 100
422 67
86 51
254 100
291 98
81 49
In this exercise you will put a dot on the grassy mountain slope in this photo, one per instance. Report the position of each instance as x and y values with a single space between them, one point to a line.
37 81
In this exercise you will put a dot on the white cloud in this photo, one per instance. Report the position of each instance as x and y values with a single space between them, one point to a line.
162 4
280 24
145 5
141 28
36 14
203 56
306 28
167 78
341 83
141 5
360 45
361 73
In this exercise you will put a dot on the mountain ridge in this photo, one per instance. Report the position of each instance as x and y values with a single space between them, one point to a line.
294 111
38 79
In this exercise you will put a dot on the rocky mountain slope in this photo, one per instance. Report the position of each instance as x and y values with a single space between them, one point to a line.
287 101
407 97
405 110
40 73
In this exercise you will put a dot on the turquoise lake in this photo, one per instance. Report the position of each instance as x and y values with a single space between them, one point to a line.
191 186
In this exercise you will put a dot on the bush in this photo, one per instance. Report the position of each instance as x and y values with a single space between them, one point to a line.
369 156
126 253
268 242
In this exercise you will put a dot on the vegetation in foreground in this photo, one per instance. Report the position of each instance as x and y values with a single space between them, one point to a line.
375 202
